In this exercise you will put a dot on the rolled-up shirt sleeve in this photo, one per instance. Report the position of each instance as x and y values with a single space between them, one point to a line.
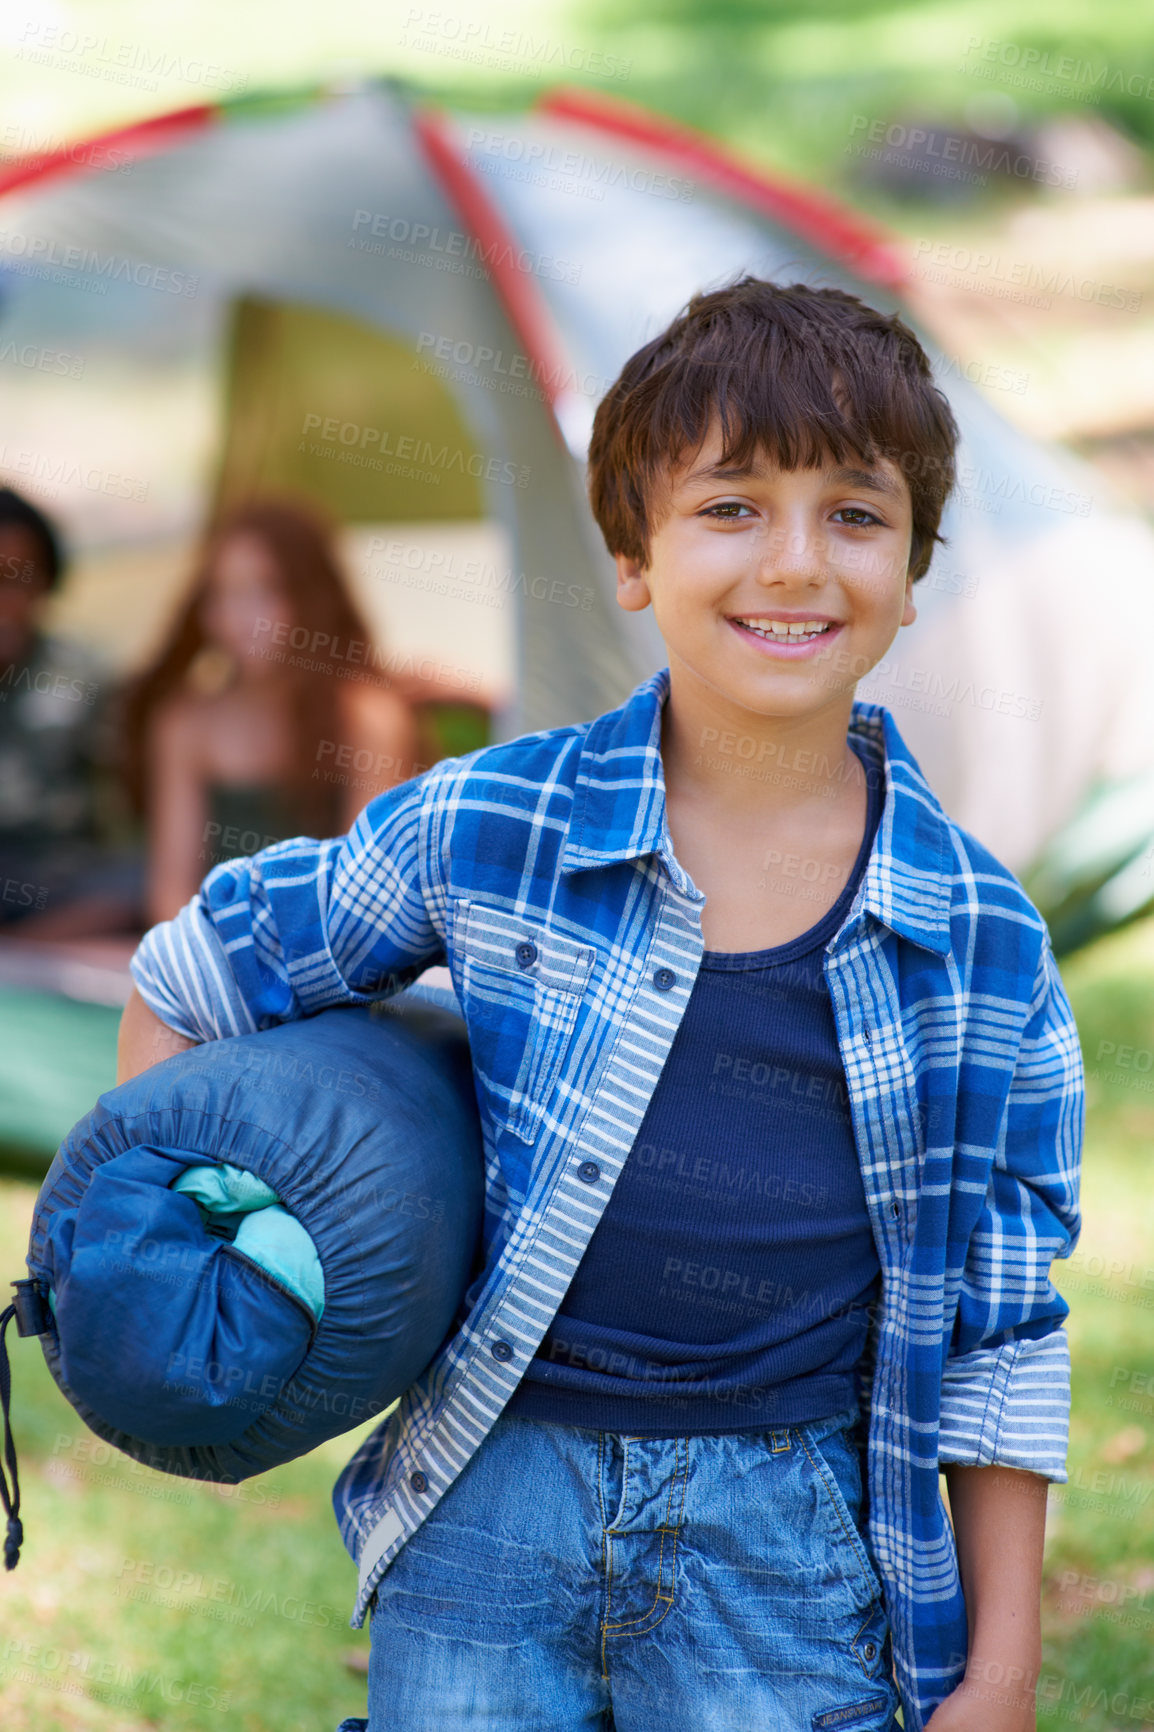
1006 1383
298 927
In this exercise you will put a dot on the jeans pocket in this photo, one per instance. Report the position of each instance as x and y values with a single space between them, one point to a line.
837 1466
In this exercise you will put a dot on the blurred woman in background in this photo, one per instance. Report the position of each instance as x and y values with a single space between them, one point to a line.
235 738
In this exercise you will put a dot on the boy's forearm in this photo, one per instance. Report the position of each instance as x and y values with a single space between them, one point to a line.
144 1040
999 1517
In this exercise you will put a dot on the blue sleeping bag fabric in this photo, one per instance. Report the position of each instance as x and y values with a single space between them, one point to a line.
261 1242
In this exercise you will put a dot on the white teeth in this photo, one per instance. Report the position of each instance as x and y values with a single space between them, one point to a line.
785 629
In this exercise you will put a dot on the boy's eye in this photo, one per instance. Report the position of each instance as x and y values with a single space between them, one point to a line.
727 510
856 516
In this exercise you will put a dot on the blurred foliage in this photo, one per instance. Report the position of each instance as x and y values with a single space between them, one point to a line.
784 83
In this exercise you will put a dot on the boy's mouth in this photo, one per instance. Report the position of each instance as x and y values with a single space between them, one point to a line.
790 633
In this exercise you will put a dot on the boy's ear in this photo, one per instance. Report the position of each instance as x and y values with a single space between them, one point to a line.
910 612
632 583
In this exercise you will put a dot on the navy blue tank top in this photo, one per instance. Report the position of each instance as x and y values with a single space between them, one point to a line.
728 1284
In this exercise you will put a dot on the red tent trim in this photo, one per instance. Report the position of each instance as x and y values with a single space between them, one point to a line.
131 143
867 250
518 291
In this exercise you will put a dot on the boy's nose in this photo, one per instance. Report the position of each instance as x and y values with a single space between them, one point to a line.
793 553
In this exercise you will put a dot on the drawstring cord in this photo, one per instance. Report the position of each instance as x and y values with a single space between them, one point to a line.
32 1315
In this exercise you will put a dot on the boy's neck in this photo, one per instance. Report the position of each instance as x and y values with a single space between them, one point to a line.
719 754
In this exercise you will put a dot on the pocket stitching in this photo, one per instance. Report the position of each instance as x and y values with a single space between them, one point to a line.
571 960
841 1509
555 1002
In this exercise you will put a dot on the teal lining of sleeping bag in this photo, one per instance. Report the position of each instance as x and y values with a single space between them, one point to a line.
265 1232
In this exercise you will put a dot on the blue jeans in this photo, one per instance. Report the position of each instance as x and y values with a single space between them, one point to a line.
575 1578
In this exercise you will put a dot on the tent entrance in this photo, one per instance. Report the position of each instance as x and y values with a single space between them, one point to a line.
324 409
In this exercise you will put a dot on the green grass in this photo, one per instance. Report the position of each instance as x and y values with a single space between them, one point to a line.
1100 1625
230 1606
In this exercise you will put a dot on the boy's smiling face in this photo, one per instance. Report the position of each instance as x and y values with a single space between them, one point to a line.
776 589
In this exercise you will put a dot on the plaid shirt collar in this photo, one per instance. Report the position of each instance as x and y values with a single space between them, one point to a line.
619 814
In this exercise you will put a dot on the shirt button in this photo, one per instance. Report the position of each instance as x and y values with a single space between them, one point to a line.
664 978
894 1210
589 1172
867 1034
501 1350
869 1652
418 1481
526 954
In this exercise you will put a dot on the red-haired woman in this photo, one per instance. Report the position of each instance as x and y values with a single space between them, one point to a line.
262 717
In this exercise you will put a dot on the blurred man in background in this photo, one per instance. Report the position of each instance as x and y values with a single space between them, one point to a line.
59 876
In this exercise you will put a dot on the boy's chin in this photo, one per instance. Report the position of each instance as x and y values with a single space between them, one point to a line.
790 692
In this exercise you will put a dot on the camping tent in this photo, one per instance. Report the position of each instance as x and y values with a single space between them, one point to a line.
411 315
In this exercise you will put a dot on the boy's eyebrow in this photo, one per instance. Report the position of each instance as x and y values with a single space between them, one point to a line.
720 472
875 480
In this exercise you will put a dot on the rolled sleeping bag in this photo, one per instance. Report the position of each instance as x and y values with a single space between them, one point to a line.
261 1242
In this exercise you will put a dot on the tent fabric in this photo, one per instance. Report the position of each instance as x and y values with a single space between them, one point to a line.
184 1337
1015 696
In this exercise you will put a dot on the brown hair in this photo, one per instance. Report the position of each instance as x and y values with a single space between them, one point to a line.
806 374
301 545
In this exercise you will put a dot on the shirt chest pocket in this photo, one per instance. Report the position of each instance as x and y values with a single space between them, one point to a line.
521 989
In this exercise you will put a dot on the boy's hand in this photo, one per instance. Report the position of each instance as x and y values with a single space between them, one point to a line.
144 1040
985 1708
980 1706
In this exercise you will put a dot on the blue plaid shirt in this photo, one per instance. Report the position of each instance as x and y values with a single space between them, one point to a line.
541 870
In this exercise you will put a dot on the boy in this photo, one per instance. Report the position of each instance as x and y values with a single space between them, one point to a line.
627 1493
